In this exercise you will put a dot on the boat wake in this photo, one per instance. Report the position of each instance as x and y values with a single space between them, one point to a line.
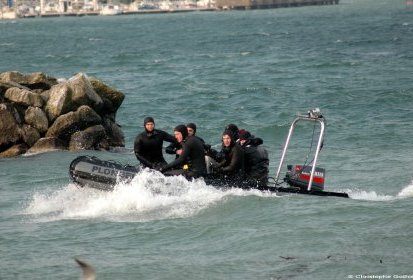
149 196
368 195
407 191
358 194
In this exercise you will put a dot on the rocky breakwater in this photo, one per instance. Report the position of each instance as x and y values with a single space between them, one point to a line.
40 114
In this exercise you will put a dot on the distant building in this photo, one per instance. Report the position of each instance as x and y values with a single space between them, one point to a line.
264 4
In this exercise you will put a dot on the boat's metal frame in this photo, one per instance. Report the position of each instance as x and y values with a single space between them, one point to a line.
313 116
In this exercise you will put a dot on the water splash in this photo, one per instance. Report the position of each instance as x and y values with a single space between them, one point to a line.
149 196
358 194
407 191
368 195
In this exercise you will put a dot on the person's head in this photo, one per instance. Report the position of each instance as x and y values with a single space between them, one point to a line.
244 136
180 132
228 139
234 129
191 129
149 124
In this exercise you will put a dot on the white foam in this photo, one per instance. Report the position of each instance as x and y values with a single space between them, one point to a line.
150 196
358 194
368 195
406 192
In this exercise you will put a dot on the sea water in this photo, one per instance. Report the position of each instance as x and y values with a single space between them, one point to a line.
256 69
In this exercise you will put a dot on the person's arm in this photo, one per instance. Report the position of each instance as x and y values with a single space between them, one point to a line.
236 161
180 160
169 138
220 164
171 149
137 149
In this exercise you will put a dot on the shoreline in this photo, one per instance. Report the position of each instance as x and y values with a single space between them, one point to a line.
142 12
123 13
225 5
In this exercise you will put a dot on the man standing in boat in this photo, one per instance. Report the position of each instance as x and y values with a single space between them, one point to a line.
148 144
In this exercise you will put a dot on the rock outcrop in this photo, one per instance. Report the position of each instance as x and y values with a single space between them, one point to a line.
39 114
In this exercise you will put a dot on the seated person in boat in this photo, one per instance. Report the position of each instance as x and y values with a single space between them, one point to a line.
191 162
219 156
255 158
234 129
148 144
232 166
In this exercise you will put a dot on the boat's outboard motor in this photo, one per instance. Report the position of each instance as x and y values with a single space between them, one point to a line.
297 176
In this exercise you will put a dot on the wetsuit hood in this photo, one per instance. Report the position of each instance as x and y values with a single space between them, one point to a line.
147 120
183 130
193 126
234 129
231 135
249 139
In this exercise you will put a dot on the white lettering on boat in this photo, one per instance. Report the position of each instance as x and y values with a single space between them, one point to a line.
110 171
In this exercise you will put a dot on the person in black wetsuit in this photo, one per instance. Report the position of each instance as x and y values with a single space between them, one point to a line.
176 148
192 129
191 162
234 129
148 144
192 132
256 158
219 156
232 167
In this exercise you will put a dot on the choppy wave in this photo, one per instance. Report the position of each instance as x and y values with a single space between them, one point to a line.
150 196
358 194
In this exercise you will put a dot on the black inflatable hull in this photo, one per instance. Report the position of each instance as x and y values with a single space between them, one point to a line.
100 174
104 175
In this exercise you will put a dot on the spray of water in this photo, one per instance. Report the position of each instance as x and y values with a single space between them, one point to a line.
149 196
407 191
358 194
368 195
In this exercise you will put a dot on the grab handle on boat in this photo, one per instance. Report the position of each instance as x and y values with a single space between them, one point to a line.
313 115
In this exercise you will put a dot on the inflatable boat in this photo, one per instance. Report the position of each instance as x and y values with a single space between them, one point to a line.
89 171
